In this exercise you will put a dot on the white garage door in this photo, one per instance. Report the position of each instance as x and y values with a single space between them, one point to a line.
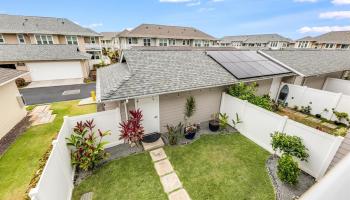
55 70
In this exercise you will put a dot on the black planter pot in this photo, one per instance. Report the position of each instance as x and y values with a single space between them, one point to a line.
214 125
338 123
318 116
152 137
190 135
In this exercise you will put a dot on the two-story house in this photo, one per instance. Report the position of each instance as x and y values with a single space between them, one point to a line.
162 35
49 48
110 40
330 40
266 41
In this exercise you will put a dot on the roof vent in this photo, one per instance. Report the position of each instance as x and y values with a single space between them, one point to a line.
146 27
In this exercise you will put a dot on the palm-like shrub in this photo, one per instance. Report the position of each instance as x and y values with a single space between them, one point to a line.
87 147
132 130
288 170
174 132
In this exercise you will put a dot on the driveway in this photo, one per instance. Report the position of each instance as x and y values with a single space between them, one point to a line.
57 93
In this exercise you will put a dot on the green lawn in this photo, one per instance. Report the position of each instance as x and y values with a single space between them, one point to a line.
131 178
222 167
20 161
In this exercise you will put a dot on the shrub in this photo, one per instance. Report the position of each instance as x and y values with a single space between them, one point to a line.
174 132
88 149
131 130
288 170
291 145
342 131
190 107
247 92
223 121
20 82
341 116
237 121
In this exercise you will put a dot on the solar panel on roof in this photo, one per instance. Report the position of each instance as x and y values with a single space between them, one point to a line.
246 64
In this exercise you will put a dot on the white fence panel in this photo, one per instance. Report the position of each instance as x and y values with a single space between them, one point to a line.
343 105
337 86
56 181
322 147
258 124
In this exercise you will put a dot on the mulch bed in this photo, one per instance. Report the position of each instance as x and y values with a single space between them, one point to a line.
14 133
284 191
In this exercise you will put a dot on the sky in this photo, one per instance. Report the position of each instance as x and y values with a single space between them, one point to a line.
291 18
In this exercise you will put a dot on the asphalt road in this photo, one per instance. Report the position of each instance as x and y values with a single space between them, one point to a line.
56 93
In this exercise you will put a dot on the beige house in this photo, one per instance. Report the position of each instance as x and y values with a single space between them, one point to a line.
11 103
312 67
46 62
331 40
259 41
159 81
162 35
110 40
31 31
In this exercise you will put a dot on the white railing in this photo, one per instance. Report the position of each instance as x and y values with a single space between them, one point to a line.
56 181
90 46
258 124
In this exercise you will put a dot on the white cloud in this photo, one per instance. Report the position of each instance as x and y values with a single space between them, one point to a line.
323 29
94 25
174 1
340 2
335 15
309 1
195 3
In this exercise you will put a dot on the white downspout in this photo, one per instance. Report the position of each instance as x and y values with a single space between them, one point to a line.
126 109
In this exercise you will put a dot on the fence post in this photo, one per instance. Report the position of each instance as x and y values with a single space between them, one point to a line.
223 95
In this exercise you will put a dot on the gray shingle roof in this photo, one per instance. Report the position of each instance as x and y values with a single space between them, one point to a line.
108 35
307 38
259 38
163 31
340 37
41 52
155 72
9 74
43 25
313 62
159 71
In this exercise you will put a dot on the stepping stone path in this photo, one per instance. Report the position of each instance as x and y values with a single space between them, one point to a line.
169 179
41 115
329 125
87 196
314 119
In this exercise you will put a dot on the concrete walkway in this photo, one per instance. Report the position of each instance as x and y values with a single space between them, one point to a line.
168 177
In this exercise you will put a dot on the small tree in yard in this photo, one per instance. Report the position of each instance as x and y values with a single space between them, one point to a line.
289 146
88 149
132 130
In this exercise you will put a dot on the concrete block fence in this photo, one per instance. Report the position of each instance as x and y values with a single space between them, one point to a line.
258 124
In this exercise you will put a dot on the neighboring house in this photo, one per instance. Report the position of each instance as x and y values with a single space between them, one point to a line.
45 62
110 40
266 41
331 40
11 103
312 67
30 30
162 35
158 82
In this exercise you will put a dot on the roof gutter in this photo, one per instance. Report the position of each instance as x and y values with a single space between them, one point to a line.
6 82
280 63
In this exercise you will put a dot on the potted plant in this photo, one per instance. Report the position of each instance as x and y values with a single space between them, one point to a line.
190 108
214 123
341 116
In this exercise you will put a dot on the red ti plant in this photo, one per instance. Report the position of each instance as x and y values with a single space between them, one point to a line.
132 130
87 147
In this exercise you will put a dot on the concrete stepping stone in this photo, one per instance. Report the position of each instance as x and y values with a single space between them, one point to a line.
154 145
314 119
87 196
163 167
329 125
170 182
158 154
179 195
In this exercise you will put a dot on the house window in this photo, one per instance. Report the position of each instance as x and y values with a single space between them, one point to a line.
132 40
92 40
186 42
146 42
329 46
273 44
303 44
72 39
95 55
2 40
163 42
21 39
344 46
44 39
197 43
172 42
206 43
